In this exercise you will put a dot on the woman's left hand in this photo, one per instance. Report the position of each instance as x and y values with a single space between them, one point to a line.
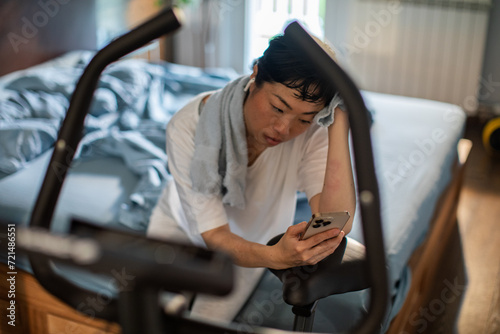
293 252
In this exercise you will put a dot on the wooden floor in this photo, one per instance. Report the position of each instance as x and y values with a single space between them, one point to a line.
479 221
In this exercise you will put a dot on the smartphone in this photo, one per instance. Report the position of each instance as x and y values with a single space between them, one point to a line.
321 222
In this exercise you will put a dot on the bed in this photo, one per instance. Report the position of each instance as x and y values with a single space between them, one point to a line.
121 167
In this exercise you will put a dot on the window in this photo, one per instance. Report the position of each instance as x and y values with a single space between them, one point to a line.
267 18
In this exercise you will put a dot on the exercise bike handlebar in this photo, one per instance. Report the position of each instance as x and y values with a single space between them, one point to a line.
365 173
69 136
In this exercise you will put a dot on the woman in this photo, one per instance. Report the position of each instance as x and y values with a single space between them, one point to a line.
238 156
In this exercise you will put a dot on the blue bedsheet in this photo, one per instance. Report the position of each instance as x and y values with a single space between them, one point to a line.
131 106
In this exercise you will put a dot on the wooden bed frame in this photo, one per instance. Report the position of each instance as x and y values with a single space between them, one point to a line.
438 269
433 300
38 312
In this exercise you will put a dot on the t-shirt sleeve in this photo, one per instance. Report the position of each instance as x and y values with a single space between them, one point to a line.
313 163
202 212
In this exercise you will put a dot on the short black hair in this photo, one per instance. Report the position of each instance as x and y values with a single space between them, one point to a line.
281 63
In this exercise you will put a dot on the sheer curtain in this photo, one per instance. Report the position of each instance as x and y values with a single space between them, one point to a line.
232 33
212 35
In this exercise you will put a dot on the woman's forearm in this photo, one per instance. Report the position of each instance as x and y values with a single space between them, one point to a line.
244 253
290 251
338 193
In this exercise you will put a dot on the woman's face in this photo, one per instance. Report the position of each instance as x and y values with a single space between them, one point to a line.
274 114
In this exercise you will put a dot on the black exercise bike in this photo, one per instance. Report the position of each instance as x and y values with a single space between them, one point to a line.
189 268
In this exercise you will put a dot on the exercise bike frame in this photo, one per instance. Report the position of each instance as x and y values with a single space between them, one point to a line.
71 132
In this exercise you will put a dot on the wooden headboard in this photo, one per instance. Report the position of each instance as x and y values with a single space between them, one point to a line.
33 31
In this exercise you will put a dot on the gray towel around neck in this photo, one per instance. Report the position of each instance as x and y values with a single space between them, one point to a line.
219 164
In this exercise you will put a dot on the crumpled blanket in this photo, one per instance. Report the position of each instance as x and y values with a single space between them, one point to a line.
131 106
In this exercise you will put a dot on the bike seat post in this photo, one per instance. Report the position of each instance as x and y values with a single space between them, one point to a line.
304 317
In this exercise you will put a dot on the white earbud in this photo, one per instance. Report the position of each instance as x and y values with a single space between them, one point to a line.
247 87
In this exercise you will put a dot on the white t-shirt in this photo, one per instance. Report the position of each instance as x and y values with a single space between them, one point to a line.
271 186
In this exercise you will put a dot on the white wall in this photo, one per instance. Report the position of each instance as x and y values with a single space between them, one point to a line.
489 90
419 50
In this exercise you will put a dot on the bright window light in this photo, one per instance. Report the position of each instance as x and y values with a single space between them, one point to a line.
266 18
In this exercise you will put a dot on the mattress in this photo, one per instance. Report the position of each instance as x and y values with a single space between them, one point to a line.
415 145
93 190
